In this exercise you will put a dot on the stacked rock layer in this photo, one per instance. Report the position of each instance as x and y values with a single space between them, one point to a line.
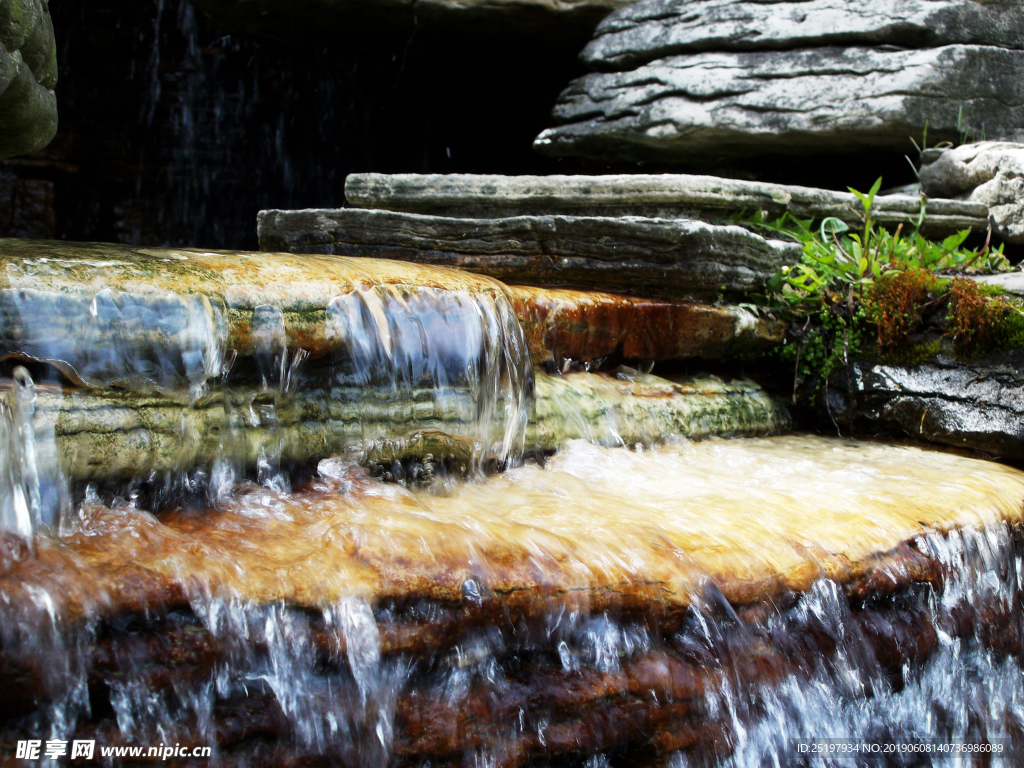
680 81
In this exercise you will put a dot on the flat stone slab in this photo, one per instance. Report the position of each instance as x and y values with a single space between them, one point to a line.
816 550
654 29
988 172
564 326
165 318
706 106
103 435
650 195
388 543
977 405
630 255
28 75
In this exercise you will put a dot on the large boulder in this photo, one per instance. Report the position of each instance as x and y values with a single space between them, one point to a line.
28 74
989 172
706 81
693 108
655 29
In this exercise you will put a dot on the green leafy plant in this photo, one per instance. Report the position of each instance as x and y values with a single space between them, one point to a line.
870 284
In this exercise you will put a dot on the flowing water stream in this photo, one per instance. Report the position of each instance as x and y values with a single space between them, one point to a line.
281 509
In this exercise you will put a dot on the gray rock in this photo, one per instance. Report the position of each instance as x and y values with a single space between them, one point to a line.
706 106
630 255
658 196
314 19
1011 282
977 405
28 74
654 29
989 172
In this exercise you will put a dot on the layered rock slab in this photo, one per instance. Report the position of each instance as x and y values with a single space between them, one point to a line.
103 435
575 511
28 75
977 405
632 255
168 360
655 196
165 318
987 172
692 108
654 29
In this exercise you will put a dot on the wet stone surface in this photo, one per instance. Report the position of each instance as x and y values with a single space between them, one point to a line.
614 601
978 405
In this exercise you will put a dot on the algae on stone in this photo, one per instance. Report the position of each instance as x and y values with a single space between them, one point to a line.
98 435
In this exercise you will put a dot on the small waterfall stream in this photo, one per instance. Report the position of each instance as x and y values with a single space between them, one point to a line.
203 543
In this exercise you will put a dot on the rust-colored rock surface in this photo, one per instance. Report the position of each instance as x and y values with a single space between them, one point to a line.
549 612
585 326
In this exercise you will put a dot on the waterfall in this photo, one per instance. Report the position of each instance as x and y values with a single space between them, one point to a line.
546 613
277 506
169 372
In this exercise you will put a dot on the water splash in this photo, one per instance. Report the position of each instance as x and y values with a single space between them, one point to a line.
547 614
467 350
34 494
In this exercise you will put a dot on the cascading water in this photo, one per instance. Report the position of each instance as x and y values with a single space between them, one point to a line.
162 367
173 572
579 610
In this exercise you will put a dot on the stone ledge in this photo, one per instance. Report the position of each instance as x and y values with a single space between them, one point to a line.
649 195
563 326
631 255
654 29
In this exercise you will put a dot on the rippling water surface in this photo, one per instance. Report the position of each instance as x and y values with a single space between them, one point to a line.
695 604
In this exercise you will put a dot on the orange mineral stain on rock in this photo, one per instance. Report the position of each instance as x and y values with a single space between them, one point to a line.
598 529
584 326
